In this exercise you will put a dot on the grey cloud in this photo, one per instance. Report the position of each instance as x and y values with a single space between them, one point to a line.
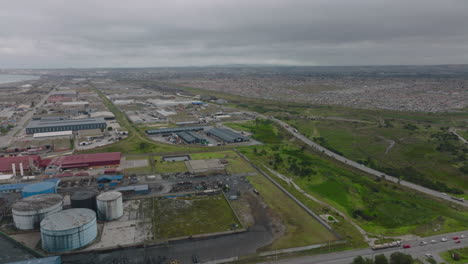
109 33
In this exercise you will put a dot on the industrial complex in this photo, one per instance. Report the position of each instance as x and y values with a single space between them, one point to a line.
54 125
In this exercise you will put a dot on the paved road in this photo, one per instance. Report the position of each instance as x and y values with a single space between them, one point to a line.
416 250
454 131
364 168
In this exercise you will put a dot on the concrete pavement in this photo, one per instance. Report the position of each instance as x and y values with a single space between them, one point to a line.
364 168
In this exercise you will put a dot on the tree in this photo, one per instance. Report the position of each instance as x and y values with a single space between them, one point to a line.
143 145
359 260
400 258
109 128
381 259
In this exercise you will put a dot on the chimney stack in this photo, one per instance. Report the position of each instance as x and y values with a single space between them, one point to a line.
21 169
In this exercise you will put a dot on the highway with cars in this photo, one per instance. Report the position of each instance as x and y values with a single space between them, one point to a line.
415 248
361 167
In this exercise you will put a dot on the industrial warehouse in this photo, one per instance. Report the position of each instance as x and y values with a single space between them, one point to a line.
60 196
60 215
28 166
226 135
202 135
59 124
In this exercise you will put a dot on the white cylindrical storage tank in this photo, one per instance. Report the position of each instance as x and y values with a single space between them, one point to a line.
68 230
29 212
109 206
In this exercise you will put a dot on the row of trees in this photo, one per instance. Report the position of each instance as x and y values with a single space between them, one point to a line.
395 258
412 175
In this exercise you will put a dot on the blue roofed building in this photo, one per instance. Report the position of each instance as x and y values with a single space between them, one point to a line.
109 178
134 189
16 187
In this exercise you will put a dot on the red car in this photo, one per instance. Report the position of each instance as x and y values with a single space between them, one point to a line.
458 241
406 246
456 238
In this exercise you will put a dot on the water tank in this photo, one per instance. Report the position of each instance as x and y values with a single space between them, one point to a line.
83 199
39 188
28 212
109 206
68 230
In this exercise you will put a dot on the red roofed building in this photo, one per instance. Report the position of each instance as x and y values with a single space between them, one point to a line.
86 160
58 98
29 162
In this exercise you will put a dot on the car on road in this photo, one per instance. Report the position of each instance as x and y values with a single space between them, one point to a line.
462 236
444 239
457 242
406 246
433 241
455 238
422 243
428 256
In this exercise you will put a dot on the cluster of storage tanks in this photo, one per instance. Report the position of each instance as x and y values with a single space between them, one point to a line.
65 230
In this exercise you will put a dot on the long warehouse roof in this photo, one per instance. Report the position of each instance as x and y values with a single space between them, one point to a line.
65 122
225 134
172 130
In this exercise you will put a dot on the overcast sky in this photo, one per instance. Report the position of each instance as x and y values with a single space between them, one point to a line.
136 33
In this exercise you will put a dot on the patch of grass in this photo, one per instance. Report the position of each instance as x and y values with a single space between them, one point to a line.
379 207
191 216
462 252
344 228
301 228
263 130
238 165
213 155
170 167
415 150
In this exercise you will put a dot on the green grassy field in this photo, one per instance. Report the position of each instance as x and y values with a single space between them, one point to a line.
379 207
463 253
416 150
301 228
347 231
170 167
263 130
191 216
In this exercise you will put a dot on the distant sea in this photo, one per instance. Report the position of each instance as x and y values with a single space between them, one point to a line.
6 78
